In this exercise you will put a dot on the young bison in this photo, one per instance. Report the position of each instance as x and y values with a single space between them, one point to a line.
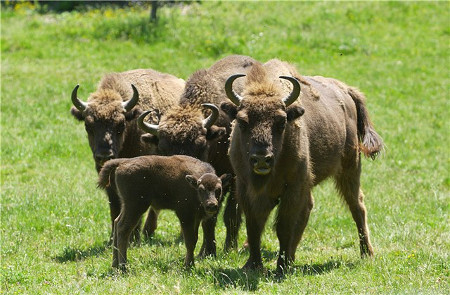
183 184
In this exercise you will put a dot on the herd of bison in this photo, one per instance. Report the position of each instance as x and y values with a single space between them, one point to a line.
260 132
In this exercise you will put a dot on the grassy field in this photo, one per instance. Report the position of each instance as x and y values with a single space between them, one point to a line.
55 223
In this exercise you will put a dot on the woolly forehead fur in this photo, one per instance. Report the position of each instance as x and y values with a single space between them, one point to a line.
105 104
261 94
182 123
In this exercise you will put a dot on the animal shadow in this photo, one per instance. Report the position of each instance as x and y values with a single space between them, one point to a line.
75 254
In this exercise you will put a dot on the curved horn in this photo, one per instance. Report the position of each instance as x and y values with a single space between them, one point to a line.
233 96
208 122
150 128
129 104
80 105
295 92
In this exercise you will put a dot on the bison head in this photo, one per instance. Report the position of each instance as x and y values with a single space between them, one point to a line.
105 117
261 117
183 130
209 189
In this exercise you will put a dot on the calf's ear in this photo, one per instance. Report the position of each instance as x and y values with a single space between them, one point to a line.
294 112
77 113
215 132
229 108
192 180
226 180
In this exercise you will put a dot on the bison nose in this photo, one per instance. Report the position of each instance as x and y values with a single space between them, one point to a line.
102 157
261 160
212 207
262 164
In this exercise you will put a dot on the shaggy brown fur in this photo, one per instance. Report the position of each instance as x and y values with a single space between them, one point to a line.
179 183
112 130
279 154
181 132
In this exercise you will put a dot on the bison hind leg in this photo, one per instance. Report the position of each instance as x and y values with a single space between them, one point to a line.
348 184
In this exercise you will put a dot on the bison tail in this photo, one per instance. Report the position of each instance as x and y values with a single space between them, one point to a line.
371 142
107 173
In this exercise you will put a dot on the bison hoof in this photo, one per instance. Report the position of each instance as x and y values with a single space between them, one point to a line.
253 265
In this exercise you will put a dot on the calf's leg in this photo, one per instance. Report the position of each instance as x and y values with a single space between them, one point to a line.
209 237
151 223
123 227
190 233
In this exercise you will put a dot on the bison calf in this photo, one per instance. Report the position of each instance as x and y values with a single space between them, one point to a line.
183 184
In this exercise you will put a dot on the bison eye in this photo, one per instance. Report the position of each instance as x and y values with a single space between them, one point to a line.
121 127
218 192
89 127
280 123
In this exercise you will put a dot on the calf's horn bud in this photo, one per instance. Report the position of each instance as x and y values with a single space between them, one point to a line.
233 96
208 122
80 105
295 91
129 104
147 127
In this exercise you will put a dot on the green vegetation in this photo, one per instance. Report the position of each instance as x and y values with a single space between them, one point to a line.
54 222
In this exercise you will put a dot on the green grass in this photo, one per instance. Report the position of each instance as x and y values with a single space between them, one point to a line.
54 222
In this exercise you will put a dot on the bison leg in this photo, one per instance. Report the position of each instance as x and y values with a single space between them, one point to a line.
348 184
151 223
209 237
123 227
292 218
114 209
232 219
190 233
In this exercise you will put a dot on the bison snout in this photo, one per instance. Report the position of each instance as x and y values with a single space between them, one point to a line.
211 207
102 157
262 164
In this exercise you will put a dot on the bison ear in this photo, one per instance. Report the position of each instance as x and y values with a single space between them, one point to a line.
192 180
149 138
294 112
226 180
133 114
215 132
229 108
77 113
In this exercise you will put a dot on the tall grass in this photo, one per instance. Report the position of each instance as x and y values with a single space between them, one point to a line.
54 222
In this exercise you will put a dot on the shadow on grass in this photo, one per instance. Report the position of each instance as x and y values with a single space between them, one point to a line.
75 254
249 280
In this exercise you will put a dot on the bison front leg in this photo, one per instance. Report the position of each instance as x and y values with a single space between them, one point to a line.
151 223
232 219
190 233
209 237
292 218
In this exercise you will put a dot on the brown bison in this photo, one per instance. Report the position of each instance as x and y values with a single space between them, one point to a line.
110 115
183 184
184 130
281 148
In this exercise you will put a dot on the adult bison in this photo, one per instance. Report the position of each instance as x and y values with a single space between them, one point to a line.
281 148
184 130
110 115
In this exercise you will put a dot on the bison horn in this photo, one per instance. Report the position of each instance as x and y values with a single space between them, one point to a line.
129 104
233 96
208 122
150 128
295 92
80 105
